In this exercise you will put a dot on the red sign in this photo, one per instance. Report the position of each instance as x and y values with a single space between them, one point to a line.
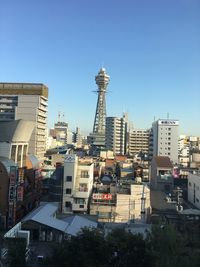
102 196
107 196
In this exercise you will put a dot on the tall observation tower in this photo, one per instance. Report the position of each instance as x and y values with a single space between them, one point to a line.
97 137
102 80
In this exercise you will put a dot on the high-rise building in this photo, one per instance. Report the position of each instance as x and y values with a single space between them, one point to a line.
115 135
97 137
165 138
138 141
27 101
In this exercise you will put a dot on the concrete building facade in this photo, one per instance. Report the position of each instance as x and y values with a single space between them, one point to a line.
138 141
165 138
14 140
194 189
27 101
77 184
115 135
126 203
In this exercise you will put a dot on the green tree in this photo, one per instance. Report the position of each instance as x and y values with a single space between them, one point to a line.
87 249
169 247
128 249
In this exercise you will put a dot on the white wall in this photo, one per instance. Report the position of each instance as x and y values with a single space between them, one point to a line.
194 189
5 149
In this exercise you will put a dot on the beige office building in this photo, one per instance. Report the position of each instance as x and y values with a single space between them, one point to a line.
27 101
138 141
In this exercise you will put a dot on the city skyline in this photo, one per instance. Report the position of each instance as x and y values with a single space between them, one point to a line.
150 51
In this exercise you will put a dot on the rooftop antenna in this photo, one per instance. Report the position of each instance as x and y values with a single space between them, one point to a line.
58 116
63 116
154 118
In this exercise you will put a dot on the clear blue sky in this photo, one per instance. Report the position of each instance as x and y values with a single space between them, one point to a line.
150 49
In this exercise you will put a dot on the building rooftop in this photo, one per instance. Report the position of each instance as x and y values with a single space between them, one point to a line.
158 201
24 89
46 214
163 162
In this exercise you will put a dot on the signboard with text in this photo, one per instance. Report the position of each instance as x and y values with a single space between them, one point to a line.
168 122
102 196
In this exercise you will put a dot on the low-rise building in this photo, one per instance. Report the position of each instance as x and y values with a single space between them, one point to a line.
77 184
121 202
161 174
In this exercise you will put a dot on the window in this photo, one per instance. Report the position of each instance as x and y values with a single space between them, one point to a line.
84 174
169 138
19 153
68 191
80 201
169 129
169 133
190 184
68 178
83 188
13 151
68 204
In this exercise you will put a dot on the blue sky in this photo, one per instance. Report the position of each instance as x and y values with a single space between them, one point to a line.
150 49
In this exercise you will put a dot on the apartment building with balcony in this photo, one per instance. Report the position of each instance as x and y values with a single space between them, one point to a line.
77 184
138 141
27 101
116 135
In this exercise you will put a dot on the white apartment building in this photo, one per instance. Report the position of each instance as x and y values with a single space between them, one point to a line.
138 141
165 138
115 135
27 101
194 189
77 184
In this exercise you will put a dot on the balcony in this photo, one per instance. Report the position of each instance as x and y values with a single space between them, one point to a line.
81 193
42 114
43 102
79 207
42 108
